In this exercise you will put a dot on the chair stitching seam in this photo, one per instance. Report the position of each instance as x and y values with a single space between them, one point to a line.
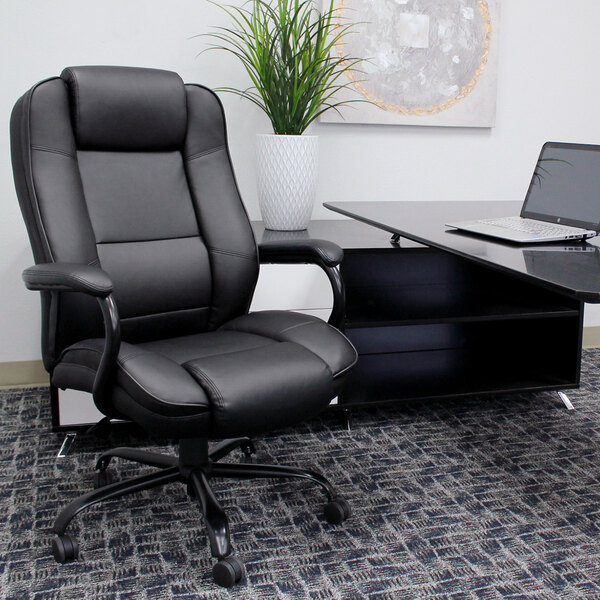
204 378
166 239
77 366
232 253
31 183
153 396
204 153
54 151
78 349
128 356
230 352
85 348
169 312
76 86
294 327
334 375
70 277
253 331
220 353
342 371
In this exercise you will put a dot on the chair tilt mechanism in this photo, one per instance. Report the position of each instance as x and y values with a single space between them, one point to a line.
146 264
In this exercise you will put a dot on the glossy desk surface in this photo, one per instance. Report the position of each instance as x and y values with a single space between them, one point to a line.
347 233
568 268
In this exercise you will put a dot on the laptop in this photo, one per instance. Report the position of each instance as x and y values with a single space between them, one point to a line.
562 202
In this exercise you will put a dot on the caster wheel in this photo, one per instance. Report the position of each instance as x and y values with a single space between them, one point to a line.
64 549
103 478
228 571
190 490
248 459
248 450
337 511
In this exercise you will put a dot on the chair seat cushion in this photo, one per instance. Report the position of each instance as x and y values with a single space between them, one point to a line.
313 334
261 371
262 388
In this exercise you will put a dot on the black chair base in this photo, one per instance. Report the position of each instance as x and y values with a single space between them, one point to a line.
195 466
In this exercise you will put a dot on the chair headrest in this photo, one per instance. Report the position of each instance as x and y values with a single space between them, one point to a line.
126 108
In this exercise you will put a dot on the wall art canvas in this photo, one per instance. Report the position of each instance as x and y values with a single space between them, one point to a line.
429 62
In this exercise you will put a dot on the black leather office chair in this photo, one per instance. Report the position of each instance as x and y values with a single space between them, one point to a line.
146 264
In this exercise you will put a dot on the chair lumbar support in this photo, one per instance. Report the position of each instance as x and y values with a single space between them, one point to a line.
194 466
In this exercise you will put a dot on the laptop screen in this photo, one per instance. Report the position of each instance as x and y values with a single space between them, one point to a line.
565 187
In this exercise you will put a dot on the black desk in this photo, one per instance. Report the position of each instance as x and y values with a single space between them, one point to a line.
572 269
444 315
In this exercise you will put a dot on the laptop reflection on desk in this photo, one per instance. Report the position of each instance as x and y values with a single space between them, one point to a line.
574 265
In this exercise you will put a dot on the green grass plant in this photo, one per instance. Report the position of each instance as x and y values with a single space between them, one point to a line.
288 49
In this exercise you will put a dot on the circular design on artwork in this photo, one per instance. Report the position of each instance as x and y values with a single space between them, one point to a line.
423 56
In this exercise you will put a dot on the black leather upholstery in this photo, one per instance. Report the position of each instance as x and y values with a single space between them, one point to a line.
125 182
297 251
238 372
68 277
126 108
147 264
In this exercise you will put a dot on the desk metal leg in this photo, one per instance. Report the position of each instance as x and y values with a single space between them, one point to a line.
346 418
566 401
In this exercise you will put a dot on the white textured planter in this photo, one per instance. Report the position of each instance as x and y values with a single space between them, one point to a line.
287 169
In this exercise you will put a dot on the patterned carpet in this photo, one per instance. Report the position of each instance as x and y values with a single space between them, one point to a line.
478 499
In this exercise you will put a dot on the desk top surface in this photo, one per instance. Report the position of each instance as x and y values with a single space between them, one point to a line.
569 268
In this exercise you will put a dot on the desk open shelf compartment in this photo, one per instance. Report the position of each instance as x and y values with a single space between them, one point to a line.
428 324
425 285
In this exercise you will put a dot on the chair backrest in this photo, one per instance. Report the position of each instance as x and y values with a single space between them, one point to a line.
128 169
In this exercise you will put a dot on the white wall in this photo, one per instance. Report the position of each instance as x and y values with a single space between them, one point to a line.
548 89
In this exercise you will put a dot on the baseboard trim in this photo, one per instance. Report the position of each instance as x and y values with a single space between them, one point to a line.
24 373
31 373
591 337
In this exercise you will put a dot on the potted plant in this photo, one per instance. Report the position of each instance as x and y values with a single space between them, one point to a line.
287 49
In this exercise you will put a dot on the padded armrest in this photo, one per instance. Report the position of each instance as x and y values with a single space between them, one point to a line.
301 251
322 253
68 277
75 277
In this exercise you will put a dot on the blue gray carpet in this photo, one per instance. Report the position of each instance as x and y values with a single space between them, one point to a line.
479 499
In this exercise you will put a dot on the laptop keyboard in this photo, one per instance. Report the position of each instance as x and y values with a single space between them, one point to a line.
537 228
